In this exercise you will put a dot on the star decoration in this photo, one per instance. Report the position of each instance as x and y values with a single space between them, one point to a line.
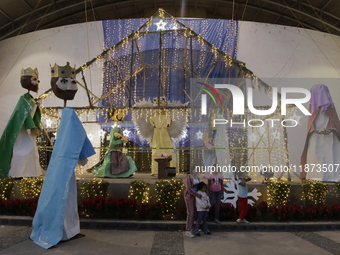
184 134
126 132
199 135
296 117
90 136
101 133
48 123
253 137
276 134
160 25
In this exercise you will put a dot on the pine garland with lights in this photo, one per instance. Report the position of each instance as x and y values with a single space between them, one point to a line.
277 192
337 186
139 190
30 187
6 187
94 188
314 192
168 193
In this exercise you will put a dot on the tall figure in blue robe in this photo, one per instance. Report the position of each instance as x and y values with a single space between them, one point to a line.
56 217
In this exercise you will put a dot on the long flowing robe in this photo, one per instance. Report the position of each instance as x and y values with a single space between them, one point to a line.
217 151
19 155
322 147
115 164
56 217
161 141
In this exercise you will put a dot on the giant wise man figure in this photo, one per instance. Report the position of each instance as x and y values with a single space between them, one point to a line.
57 216
18 149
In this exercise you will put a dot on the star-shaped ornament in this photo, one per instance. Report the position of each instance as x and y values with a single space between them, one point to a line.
160 25
48 123
199 135
101 133
126 132
90 136
296 117
253 137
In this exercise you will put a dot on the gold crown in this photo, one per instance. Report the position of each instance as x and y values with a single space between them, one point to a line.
30 72
63 71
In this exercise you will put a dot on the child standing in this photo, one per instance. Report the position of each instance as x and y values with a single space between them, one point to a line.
242 198
215 188
202 206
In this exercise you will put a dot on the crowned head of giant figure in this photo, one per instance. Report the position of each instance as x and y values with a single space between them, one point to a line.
30 79
63 81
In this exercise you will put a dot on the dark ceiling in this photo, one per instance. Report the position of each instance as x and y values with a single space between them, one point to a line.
23 16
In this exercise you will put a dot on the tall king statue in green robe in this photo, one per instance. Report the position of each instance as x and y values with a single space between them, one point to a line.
18 149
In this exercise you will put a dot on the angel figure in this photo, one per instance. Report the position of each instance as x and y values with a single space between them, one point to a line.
159 130
56 217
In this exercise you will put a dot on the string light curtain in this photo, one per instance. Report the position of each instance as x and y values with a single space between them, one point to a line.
153 63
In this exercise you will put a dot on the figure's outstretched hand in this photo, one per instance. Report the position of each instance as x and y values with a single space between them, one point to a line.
118 136
82 161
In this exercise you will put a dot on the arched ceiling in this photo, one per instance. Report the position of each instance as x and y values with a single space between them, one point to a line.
24 16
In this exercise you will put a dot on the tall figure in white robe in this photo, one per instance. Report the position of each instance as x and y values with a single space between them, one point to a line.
321 155
19 155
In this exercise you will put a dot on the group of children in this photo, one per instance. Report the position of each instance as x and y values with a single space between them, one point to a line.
199 197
